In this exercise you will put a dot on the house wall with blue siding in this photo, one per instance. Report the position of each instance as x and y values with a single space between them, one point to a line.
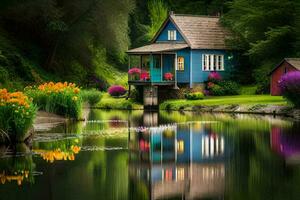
199 76
163 36
184 76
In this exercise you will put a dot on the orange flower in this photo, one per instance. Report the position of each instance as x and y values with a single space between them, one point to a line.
76 149
76 90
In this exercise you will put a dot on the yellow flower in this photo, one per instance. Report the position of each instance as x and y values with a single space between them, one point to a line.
75 98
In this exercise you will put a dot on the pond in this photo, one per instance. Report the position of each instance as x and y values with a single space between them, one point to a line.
147 155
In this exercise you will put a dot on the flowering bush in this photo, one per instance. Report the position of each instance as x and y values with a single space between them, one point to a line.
116 90
134 73
168 76
218 87
16 114
214 77
145 76
60 98
290 87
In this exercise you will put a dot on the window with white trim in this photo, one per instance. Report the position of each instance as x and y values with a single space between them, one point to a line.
180 64
172 35
212 62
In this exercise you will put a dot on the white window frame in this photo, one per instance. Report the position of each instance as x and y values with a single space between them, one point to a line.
172 35
213 62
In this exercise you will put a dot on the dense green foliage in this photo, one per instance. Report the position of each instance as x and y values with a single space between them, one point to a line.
264 32
79 41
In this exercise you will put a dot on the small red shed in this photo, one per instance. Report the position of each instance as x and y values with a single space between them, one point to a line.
287 65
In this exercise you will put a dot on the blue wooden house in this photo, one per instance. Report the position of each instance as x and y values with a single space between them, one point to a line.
182 53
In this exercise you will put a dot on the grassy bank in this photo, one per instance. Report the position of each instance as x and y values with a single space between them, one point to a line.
108 102
224 100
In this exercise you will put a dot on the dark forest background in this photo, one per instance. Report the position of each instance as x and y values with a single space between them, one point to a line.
85 41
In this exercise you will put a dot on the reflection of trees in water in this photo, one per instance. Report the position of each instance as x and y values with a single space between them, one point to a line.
256 171
16 168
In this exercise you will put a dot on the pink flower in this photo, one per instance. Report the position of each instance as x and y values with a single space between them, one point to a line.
134 70
214 76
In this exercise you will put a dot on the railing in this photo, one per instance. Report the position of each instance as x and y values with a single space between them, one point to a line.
138 75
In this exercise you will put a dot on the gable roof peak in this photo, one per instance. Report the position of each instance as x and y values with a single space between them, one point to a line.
191 15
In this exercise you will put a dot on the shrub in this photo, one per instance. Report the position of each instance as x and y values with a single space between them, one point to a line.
230 87
17 113
222 88
59 98
92 96
116 90
194 96
290 87
168 76
214 77
217 90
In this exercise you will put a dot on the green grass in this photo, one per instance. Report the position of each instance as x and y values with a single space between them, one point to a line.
108 102
224 100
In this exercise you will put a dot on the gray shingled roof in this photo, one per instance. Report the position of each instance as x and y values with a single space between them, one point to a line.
158 47
295 62
201 32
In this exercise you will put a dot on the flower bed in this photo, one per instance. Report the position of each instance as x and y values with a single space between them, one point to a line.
59 98
17 113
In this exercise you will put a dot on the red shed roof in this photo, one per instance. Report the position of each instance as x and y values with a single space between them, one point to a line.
295 62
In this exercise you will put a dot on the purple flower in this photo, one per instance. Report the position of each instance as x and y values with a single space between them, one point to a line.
290 82
116 90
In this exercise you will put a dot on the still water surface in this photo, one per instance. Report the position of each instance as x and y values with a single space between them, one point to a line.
117 155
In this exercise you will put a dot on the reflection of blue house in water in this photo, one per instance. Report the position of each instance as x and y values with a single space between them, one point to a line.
179 160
